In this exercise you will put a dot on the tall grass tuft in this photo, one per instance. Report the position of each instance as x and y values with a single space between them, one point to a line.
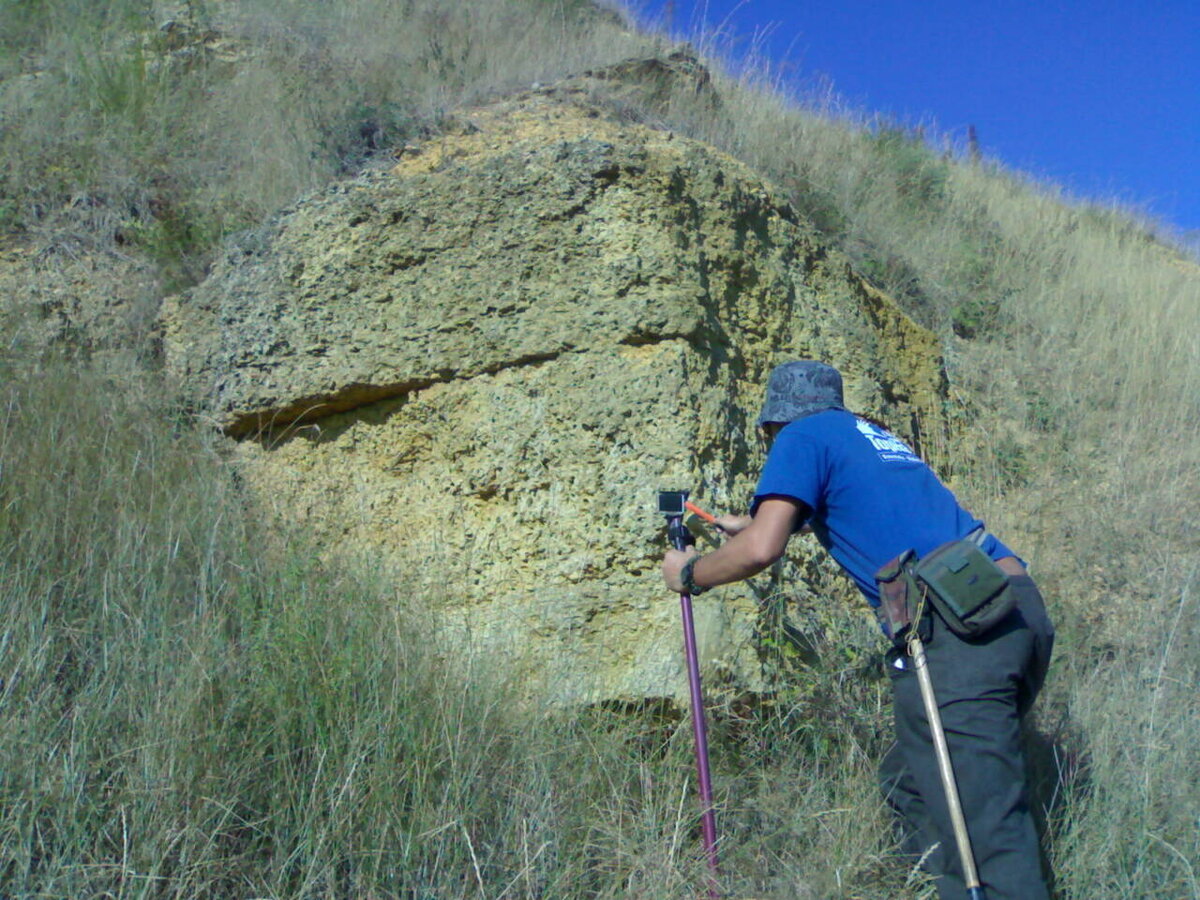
187 712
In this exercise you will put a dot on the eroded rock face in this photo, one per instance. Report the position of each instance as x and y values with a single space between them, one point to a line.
477 369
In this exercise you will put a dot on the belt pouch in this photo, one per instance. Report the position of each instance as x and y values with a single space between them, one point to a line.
897 596
968 589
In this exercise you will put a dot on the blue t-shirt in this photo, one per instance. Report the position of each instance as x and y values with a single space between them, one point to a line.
872 497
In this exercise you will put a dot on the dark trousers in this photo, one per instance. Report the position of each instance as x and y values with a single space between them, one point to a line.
982 686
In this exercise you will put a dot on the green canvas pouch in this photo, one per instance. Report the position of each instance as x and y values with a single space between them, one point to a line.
968 589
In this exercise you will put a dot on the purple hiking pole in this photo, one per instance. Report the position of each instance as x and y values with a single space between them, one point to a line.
671 505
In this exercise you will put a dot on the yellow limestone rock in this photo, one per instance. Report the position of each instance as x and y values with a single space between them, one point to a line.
477 368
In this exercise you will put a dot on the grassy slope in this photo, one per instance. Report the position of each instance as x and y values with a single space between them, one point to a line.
189 712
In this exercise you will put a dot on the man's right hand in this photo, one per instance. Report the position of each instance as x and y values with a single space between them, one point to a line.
672 565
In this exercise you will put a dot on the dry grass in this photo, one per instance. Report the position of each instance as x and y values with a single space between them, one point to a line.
120 131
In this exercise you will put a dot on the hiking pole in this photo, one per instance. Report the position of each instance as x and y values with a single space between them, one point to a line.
672 504
916 649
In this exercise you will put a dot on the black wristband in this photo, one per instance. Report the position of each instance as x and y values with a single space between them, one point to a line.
687 580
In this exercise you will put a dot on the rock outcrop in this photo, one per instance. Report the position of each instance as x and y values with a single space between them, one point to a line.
476 369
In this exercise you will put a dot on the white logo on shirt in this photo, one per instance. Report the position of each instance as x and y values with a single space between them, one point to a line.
889 447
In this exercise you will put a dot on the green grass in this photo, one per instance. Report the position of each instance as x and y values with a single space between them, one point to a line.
193 707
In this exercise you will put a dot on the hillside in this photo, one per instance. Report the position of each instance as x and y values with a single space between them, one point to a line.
203 700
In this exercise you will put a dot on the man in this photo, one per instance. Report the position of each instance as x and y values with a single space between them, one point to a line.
868 498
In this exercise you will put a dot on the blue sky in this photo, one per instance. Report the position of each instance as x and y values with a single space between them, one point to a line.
1099 96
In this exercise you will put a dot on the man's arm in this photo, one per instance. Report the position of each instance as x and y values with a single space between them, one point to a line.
747 553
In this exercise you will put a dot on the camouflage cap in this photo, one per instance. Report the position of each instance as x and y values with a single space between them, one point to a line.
799 389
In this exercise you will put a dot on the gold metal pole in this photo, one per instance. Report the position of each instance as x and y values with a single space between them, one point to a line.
916 649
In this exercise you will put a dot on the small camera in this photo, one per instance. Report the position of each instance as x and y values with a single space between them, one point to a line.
670 503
